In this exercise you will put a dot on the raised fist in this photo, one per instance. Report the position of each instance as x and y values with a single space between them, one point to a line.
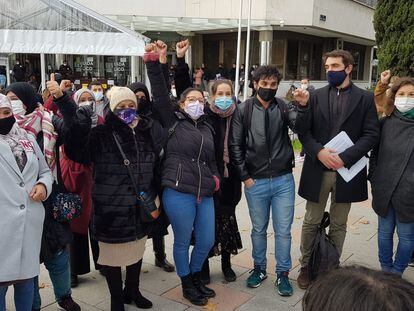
182 47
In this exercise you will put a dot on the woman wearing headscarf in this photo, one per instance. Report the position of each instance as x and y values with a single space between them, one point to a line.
33 118
78 179
26 182
40 125
117 223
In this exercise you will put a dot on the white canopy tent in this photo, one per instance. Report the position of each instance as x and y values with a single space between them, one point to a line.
63 27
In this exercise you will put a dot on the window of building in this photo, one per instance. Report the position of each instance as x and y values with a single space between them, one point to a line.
303 60
278 54
358 52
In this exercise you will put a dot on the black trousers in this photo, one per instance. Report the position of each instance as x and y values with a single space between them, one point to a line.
79 254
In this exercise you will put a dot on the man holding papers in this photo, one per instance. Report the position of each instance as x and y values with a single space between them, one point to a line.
338 126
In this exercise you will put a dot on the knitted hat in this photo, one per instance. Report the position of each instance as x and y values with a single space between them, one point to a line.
5 102
119 94
78 94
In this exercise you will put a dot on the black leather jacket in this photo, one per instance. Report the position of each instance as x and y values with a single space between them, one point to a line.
264 149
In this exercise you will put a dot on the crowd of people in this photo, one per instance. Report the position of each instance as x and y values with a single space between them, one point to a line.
116 169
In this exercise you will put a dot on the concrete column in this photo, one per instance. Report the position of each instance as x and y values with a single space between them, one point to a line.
8 71
221 52
369 56
265 39
58 60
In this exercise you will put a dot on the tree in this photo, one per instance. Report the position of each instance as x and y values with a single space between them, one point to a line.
394 27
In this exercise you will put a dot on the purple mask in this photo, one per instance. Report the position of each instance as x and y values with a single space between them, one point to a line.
126 115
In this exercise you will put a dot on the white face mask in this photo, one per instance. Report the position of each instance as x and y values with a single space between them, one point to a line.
98 95
87 103
404 104
304 86
18 108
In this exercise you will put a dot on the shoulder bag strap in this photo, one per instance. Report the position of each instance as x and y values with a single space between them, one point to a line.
127 163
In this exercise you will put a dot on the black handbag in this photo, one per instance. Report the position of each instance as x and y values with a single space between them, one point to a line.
324 256
145 199
66 205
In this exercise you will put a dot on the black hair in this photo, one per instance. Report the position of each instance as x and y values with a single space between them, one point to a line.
263 72
187 91
359 289
95 83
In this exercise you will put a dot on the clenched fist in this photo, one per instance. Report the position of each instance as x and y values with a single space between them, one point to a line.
182 47
162 50
386 77
302 97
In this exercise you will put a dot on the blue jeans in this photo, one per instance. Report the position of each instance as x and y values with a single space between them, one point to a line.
278 195
23 296
59 272
186 214
405 232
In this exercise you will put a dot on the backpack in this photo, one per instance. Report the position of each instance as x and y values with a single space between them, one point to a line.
181 117
324 256
248 112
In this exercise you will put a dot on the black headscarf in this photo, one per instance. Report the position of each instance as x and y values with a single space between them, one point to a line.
25 92
144 107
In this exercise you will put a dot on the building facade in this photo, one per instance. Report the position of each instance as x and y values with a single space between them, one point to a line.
291 34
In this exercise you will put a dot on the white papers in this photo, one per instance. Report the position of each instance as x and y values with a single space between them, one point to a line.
340 143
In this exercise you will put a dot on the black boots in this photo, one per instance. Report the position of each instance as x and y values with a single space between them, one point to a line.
191 293
114 279
131 291
205 272
205 291
228 272
161 261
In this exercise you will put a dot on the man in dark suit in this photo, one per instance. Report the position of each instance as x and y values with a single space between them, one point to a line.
340 106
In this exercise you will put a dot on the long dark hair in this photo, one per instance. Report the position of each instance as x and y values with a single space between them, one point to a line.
359 289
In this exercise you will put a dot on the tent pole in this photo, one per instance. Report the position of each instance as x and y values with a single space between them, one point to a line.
43 70
237 79
246 66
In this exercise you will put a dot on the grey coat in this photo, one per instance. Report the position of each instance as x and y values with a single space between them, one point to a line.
21 219
392 168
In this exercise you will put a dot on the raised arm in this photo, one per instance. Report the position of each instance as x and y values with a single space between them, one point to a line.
182 74
76 125
160 94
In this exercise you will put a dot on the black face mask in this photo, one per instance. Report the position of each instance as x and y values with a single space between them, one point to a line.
266 94
144 106
6 125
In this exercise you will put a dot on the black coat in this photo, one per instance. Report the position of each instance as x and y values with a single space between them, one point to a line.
359 121
116 218
229 194
263 150
190 161
392 168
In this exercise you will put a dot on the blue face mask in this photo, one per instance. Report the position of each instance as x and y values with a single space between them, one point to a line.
223 103
336 78
128 115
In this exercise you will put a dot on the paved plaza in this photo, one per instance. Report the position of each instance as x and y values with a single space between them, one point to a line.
165 291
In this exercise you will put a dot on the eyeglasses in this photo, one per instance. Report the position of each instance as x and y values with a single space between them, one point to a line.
193 99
